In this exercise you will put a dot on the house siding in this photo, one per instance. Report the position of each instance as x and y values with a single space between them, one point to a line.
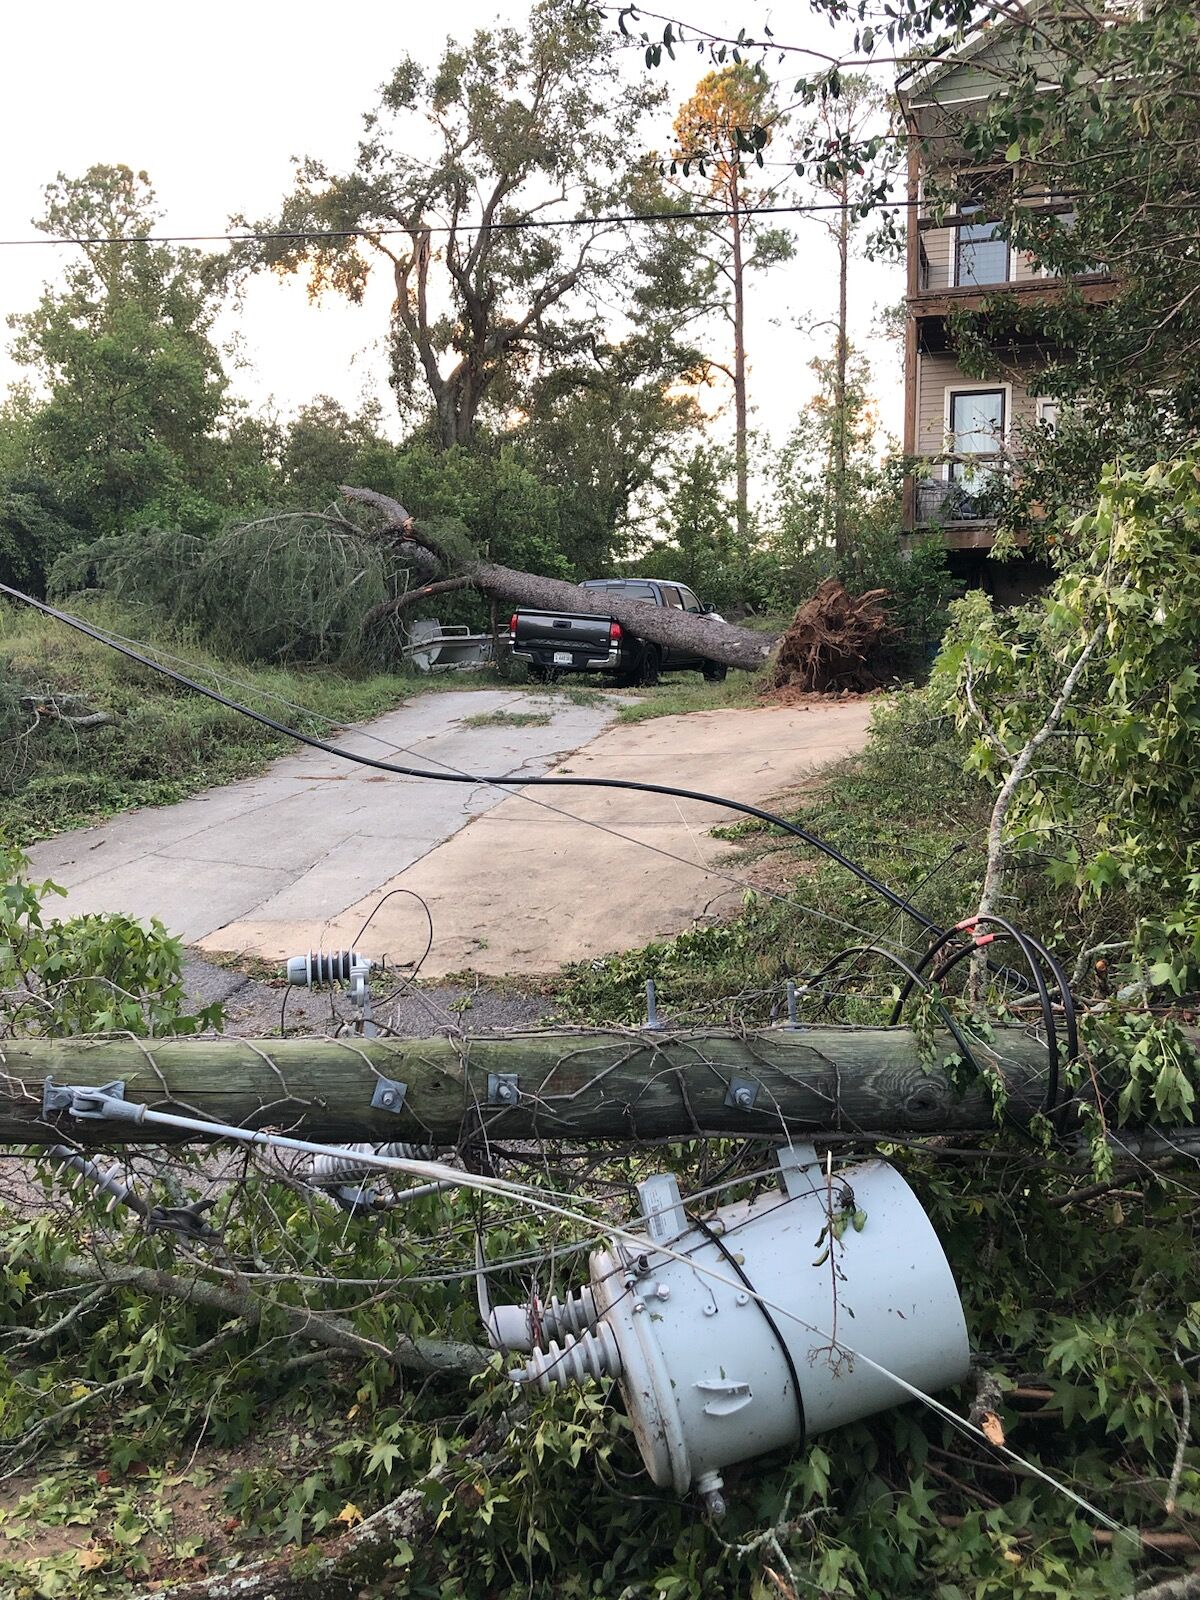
933 102
936 374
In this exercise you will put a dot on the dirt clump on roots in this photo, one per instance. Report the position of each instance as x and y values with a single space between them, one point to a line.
830 643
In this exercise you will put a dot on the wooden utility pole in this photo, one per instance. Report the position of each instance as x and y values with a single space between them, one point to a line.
572 1085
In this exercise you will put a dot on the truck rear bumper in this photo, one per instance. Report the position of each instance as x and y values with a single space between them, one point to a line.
550 656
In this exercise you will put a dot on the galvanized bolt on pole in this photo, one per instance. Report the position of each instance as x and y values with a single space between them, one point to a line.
651 1005
791 1003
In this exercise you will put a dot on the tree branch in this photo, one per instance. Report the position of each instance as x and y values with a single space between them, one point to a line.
424 1356
402 602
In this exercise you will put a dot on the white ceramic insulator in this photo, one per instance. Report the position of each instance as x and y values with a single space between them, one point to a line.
344 1168
326 966
574 1315
520 1328
593 1355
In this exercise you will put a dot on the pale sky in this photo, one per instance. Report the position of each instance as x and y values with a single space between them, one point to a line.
213 101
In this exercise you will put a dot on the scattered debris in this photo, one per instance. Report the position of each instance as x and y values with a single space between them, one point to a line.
69 708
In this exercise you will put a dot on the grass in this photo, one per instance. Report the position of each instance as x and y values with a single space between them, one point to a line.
675 697
165 742
507 719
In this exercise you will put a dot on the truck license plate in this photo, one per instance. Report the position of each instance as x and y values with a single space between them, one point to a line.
563 658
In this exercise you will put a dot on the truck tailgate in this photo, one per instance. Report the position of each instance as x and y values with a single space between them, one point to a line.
585 636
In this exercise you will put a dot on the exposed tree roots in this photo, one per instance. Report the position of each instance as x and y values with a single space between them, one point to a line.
831 640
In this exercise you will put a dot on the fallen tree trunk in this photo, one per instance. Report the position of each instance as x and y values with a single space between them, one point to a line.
439 571
579 1085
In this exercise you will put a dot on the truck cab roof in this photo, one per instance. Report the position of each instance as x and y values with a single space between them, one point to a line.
621 583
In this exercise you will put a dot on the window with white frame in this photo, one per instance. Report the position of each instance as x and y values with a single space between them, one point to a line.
976 422
980 254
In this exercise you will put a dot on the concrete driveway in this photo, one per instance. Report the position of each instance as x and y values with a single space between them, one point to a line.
517 883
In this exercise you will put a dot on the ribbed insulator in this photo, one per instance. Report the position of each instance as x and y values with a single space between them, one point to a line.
343 1168
324 966
593 1355
112 1180
576 1314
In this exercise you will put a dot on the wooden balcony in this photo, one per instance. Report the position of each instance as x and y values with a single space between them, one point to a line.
961 514
940 301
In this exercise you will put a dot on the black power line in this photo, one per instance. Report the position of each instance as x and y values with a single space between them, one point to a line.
519 225
504 780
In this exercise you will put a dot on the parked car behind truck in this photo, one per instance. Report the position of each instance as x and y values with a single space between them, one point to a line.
555 642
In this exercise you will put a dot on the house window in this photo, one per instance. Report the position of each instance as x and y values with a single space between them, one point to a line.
980 254
977 423
1066 221
1047 413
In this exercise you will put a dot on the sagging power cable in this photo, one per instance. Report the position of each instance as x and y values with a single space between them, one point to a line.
503 780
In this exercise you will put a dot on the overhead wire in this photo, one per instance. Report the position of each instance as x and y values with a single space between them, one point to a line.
516 225
393 746
506 781
1034 954
536 1200
862 205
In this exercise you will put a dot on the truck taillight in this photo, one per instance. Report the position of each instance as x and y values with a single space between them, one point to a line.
512 624
614 631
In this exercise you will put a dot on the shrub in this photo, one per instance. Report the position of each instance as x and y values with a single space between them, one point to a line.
292 589
92 974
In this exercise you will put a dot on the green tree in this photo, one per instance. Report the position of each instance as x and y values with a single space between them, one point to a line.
125 355
323 446
829 488
511 130
503 509
838 128
34 531
600 434
712 137
701 546
1110 802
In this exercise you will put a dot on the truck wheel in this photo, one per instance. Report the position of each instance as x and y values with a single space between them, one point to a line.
714 671
649 667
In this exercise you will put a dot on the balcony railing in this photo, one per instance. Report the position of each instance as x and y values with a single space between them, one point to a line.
945 502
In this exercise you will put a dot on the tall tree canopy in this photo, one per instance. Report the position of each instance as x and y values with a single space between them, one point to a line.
837 130
712 135
511 130
125 354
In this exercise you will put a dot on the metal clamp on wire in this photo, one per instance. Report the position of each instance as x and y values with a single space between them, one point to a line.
100 1102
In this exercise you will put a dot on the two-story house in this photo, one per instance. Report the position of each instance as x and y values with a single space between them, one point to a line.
963 429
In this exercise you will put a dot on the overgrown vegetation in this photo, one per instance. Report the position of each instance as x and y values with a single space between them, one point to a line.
163 741
133 1359
153 1407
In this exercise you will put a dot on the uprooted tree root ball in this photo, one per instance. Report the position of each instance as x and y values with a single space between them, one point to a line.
831 640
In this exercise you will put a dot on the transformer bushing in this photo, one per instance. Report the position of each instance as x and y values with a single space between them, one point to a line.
765 1324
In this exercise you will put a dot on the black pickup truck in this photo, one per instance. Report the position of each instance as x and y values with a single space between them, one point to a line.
553 643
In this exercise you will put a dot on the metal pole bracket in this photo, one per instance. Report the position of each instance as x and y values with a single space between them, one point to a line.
86 1100
389 1096
741 1094
503 1089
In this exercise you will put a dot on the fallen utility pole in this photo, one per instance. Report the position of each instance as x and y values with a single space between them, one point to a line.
578 1085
